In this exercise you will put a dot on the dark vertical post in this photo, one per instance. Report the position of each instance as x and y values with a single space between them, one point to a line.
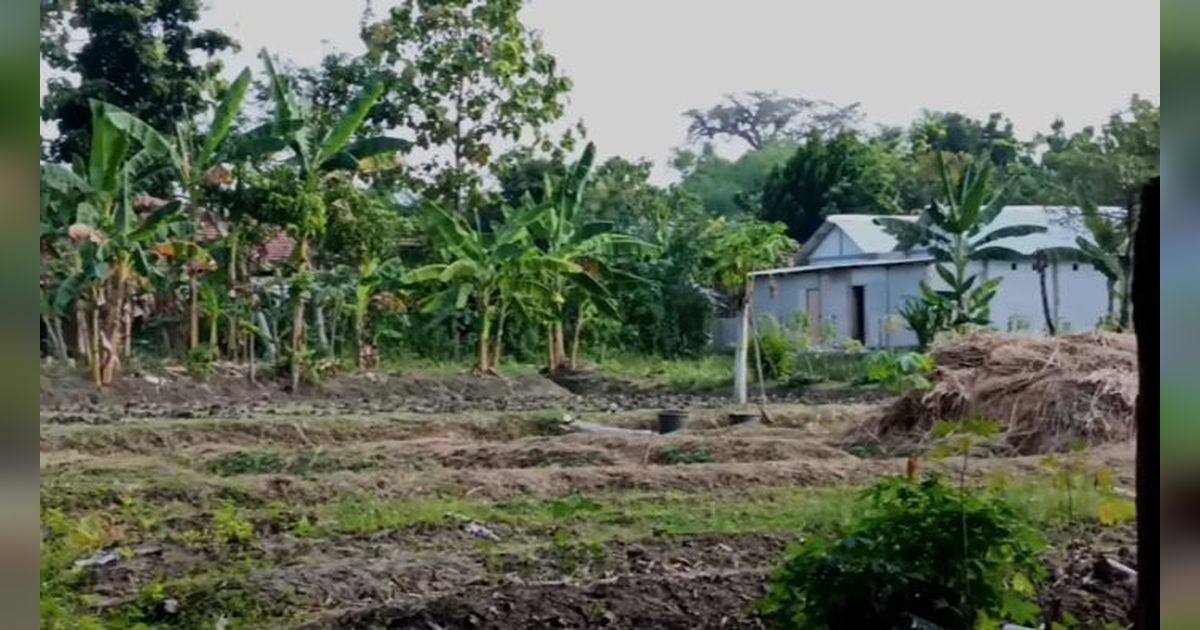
1145 322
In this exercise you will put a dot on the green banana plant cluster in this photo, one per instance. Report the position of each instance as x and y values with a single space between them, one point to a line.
294 129
111 247
1103 251
541 261
562 229
955 234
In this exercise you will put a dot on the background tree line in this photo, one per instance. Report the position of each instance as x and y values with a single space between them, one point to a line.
425 205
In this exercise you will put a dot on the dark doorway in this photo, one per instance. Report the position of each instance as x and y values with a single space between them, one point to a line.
858 314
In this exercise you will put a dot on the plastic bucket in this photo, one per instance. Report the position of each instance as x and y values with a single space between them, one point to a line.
671 421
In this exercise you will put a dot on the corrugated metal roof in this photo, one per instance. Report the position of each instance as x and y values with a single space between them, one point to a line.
866 234
846 264
1063 226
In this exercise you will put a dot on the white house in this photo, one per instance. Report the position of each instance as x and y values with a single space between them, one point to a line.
849 280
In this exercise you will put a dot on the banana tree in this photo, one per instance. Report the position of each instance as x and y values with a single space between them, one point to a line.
956 234
487 270
113 243
193 159
1103 251
294 128
563 231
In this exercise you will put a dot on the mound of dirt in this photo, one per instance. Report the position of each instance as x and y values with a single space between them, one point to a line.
1047 393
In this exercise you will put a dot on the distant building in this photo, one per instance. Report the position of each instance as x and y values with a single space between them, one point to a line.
850 280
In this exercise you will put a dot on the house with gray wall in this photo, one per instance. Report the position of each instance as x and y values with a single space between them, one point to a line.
850 280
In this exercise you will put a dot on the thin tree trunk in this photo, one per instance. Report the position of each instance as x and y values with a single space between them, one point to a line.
319 320
61 350
83 338
560 350
127 333
333 327
298 318
575 342
1041 266
193 312
268 336
485 324
94 339
740 354
550 347
499 343
114 326
234 337
214 321
250 354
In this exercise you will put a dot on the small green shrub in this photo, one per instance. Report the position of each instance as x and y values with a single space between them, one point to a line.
907 563
778 349
229 526
676 455
899 372
201 361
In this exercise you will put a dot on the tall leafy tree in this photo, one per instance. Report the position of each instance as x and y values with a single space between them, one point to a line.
842 173
730 187
468 75
137 55
760 118
1109 167
736 250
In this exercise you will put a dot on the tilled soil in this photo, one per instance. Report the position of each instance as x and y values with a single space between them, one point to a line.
301 552
67 398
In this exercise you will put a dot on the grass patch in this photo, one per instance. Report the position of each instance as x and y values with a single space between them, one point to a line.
304 463
710 372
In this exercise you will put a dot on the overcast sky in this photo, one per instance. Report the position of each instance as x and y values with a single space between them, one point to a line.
638 64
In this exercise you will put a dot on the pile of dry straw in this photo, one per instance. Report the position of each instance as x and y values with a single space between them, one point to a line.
1046 392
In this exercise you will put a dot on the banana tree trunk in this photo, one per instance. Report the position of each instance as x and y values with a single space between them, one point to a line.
333 327
62 339
231 320
485 325
298 317
127 330
498 346
268 336
94 340
83 337
575 342
114 325
193 312
559 351
319 323
550 347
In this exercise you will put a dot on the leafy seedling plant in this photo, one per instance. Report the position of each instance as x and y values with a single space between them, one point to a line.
922 554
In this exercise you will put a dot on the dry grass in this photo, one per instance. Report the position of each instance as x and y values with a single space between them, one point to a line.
1047 393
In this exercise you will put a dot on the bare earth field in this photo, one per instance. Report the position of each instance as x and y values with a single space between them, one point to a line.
454 502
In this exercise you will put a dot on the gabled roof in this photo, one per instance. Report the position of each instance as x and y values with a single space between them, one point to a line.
859 228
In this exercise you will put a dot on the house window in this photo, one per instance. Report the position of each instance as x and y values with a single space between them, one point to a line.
1014 266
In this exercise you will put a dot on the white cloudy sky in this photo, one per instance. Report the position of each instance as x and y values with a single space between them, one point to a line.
637 64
